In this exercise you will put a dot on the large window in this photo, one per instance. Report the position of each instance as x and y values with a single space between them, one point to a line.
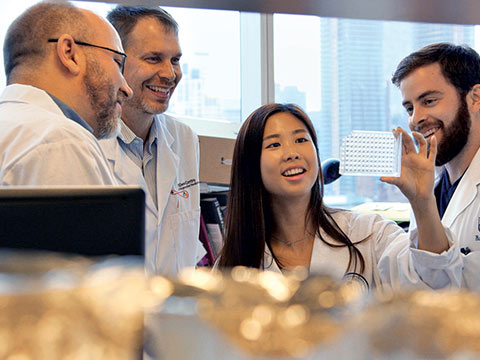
211 64
338 70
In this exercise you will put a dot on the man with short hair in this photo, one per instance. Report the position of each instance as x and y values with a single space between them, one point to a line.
440 86
65 89
152 149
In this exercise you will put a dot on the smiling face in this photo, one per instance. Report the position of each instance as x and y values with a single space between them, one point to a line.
435 107
153 66
288 161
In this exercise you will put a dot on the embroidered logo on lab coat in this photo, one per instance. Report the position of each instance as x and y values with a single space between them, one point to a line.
182 186
182 193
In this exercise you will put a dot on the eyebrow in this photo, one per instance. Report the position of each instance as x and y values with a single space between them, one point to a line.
424 95
161 54
294 132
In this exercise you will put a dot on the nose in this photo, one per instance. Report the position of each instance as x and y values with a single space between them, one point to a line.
290 152
417 118
167 71
125 90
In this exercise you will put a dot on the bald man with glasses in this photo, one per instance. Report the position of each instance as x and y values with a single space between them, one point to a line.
65 89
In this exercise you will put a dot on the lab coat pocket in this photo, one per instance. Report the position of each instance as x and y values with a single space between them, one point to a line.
184 228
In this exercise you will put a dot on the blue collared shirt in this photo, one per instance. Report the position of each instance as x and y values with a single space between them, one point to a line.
444 192
144 156
70 113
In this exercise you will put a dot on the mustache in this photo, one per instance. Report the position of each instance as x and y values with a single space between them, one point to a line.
122 96
423 126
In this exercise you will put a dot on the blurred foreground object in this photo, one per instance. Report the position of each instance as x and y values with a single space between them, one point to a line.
423 325
264 314
52 307
247 314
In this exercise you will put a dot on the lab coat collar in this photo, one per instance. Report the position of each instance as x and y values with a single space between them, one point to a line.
122 163
31 95
71 114
465 192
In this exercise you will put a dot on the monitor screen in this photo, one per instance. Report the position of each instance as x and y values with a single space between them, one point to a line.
90 221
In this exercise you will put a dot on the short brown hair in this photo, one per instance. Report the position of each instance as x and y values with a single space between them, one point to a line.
124 19
460 64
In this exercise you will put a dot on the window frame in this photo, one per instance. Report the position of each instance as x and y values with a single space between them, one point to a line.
464 12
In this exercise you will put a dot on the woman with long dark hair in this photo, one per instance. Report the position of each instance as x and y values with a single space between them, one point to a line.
276 218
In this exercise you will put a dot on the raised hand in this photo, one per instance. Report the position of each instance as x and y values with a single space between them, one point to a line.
416 182
418 168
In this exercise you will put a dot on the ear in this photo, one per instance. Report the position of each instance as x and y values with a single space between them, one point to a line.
68 54
475 98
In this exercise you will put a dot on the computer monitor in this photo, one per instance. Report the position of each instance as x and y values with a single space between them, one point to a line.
90 221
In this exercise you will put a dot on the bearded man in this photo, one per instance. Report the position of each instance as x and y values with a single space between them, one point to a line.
440 86
65 90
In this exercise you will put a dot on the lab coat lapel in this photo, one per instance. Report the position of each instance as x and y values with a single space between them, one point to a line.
465 192
122 167
167 165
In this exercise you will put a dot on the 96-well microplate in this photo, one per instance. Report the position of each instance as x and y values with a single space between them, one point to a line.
371 153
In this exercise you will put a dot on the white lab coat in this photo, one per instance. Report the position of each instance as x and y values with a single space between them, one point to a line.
40 146
390 261
172 232
462 217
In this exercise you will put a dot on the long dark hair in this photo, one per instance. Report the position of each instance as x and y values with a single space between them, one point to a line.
248 220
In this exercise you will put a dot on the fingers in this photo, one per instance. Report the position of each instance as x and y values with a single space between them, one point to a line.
389 180
422 143
433 149
425 149
407 142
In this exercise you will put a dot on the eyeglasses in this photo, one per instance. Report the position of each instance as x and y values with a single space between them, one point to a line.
124 56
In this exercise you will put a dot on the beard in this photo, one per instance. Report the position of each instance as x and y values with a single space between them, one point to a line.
140 104
154 109
455 136
103 100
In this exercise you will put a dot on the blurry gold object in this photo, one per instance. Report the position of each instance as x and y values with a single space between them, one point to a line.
53 307
265 313
430 325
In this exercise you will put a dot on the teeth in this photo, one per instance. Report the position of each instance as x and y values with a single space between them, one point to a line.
430 132
292 172
158 89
